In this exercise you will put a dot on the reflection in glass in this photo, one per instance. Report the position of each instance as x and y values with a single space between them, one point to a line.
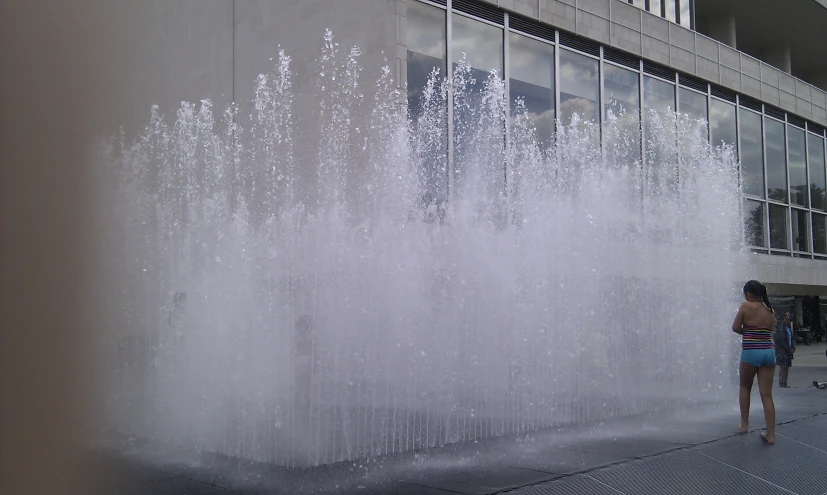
658 95
579 88
819 233
686 14
778 227
426 50
722 127
621 88
481 43
797 163
818 184
478 132
670 10
754 223
800 224
752 153
659 129
776 160
531 68
654 7
426 42
693 104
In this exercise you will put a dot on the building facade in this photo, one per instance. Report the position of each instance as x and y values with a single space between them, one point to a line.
764 95
588 57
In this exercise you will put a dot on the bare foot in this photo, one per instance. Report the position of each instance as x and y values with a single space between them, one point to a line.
744 428
769 439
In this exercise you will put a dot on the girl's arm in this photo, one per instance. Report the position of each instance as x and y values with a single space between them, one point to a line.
738 323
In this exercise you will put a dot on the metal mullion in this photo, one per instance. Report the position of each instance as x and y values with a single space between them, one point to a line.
507 120
449 74
787 170
807 188
766 187
601 104
644 164
557 121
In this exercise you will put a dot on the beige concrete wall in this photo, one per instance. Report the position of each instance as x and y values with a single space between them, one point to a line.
785 275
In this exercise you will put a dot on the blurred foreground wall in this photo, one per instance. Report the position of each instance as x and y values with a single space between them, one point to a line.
54 61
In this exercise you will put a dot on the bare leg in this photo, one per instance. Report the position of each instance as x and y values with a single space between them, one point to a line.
765 376
747 373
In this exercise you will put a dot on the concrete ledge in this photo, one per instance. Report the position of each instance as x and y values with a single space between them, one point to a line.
783 270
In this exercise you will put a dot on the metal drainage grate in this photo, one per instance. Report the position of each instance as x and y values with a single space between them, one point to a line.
788 464
481 10
531 27
751 103
621 58
682 473
774 112
579 43
693 82
723 93
573 485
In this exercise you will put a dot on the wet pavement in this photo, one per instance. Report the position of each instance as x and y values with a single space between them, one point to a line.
694 450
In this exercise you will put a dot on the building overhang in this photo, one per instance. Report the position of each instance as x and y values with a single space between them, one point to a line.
765 26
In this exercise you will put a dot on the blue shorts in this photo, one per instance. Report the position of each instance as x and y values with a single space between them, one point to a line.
758 357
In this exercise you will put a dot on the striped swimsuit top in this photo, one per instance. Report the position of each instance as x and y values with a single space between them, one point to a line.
756 338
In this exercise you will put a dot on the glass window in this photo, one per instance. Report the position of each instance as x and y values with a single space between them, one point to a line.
819 233
752 153
660 132
477 50
481 43
639 3
686 14
776 160
426 40
654 7
579 88
722 128
754 223
693 104
815 159
671 10
797 163
621 88
800 225
531 72
426 50
658 96
778 227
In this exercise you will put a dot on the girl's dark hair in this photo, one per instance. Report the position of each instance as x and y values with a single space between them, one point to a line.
758 289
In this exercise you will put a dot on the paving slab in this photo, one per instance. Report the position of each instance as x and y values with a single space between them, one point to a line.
686 472
572 485
479 480
788 464
812 432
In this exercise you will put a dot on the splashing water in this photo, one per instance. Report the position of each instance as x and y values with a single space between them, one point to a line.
303 305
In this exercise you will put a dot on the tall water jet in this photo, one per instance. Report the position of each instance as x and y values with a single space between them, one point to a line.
360 298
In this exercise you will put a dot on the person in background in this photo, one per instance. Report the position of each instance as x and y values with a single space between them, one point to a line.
754 321
784 349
